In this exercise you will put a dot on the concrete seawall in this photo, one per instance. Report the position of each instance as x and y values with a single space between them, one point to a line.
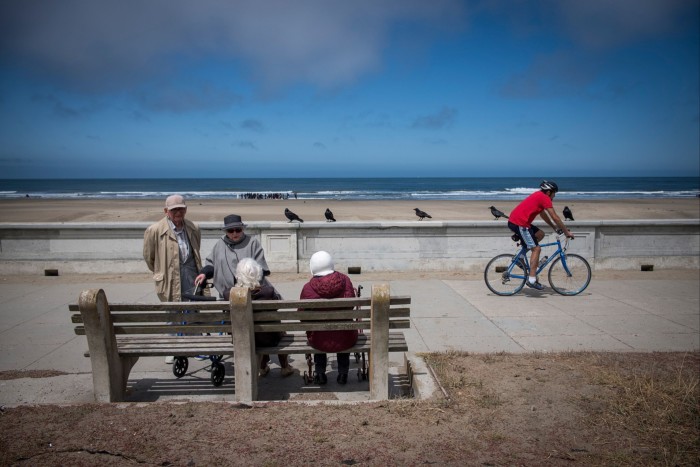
84 248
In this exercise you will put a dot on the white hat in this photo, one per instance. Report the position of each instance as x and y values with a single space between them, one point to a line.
321 264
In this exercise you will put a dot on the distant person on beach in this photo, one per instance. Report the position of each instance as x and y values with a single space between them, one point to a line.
329 283
232 247
171 251
250 274
520 222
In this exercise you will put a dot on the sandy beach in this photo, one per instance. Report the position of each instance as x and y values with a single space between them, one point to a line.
214 210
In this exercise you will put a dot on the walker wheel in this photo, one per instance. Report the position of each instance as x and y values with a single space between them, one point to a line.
217 374
180 365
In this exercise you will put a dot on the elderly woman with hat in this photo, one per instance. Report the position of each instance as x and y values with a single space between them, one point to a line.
232 247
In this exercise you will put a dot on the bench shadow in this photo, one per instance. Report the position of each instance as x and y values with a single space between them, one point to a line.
196 385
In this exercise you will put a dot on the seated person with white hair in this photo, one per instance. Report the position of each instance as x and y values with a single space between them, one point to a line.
329 283
250 274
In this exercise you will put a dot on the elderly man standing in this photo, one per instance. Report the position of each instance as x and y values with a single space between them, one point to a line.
171 251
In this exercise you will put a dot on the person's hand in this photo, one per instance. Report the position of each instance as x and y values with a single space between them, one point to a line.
569 234
199 279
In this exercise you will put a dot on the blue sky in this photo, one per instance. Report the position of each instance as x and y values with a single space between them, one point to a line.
214 88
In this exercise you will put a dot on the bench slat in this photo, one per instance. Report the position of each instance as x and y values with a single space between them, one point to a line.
326 326
164 329
163 306
163 340
257 305
163 317
325 315
260 305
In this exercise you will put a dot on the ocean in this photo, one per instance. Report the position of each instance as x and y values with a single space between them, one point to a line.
504 188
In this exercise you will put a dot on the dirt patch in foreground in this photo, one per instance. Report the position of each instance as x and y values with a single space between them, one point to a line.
501 409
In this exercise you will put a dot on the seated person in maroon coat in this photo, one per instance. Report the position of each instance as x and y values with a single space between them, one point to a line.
329 283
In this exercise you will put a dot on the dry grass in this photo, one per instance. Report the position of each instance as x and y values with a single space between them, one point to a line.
623 408
502 409
656 401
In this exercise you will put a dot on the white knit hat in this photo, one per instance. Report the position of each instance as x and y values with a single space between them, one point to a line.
321 264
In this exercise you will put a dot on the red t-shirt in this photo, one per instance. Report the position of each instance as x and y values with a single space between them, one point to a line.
525 212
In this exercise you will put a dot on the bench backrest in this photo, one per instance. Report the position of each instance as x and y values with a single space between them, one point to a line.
214 316
153 318
326 314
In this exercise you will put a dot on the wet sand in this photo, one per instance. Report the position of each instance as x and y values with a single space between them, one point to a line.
214 210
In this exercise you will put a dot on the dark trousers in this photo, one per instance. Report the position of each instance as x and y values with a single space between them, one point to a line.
321 360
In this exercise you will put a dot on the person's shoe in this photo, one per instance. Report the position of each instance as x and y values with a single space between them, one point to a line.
201 357
169 359
342 378
320 378
536 285
287 371
264 371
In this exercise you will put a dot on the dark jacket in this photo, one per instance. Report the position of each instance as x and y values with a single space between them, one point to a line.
335 285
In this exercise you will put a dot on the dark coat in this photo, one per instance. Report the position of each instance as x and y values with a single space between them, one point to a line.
335 285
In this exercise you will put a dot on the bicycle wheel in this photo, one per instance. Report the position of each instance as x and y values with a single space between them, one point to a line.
571 282
499 281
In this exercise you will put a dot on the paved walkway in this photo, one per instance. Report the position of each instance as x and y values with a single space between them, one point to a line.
635 314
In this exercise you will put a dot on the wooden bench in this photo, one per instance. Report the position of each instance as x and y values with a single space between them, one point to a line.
377 314
118 334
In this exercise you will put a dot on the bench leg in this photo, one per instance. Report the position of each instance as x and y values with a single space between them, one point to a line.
246 362
109 371
379 356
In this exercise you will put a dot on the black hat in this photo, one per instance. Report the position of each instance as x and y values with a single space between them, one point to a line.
231 221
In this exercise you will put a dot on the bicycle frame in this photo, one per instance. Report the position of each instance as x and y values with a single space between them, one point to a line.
522 254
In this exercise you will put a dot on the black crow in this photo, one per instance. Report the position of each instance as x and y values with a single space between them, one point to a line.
329 216
568 215
291 216
496 213
422 214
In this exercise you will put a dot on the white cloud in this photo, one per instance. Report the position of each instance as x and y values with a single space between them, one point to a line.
107 45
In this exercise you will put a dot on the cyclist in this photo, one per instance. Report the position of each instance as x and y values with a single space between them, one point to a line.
520 222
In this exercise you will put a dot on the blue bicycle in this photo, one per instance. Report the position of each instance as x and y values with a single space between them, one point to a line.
569 274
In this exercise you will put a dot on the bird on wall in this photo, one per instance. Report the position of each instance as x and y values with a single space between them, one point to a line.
497 214
291 216
422 214
568 215
329 215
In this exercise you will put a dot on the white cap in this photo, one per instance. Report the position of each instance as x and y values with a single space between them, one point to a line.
321 264
175 201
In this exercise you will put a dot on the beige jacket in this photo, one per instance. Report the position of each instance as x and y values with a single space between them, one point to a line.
162 256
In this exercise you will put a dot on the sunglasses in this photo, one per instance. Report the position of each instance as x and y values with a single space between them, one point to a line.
234 230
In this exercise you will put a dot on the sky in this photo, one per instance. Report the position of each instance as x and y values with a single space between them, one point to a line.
380 88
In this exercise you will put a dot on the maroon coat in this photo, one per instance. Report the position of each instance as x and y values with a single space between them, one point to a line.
335 285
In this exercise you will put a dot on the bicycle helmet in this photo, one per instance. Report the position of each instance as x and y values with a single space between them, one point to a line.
547 185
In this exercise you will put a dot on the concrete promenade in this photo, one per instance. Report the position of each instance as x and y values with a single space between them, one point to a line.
620 312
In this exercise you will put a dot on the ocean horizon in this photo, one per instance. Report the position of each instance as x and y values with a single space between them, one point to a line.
464 188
